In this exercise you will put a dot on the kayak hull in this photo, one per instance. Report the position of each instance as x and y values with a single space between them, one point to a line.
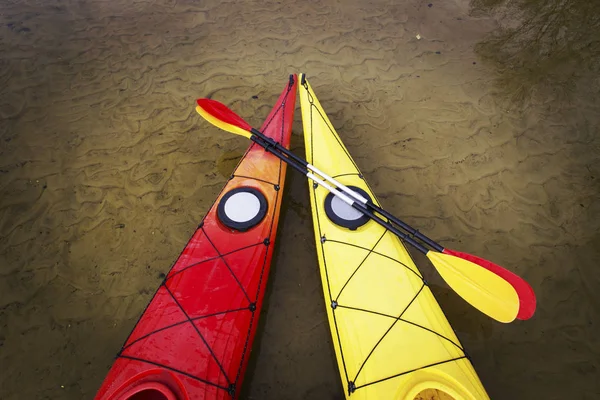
391 338
193 341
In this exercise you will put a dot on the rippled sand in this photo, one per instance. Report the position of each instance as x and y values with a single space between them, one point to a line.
105 170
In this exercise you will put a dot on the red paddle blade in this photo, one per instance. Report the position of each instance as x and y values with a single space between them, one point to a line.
220 115
527 301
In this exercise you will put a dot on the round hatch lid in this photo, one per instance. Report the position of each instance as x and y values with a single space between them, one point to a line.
344 215
242 208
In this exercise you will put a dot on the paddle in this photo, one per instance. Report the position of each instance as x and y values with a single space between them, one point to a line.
484 288
527 300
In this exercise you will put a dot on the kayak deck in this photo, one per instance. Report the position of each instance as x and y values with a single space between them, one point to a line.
194 338
391 339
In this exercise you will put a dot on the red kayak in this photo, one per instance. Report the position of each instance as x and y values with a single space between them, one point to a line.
193 340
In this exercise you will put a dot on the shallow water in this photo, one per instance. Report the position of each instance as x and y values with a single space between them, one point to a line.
105 170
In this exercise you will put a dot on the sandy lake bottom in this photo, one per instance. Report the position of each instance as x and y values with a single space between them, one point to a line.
105 171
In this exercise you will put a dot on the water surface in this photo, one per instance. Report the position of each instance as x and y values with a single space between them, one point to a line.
488 143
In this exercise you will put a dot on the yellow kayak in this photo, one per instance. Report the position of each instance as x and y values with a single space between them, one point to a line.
391 338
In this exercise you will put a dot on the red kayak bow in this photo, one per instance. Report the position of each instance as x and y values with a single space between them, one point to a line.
193 340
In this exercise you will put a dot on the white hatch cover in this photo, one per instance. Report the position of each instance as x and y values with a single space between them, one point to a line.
242 208
344 215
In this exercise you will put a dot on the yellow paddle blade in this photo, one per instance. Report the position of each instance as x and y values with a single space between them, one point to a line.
220 123
480 287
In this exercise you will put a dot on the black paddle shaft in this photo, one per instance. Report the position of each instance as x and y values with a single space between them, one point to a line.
273 149
412 231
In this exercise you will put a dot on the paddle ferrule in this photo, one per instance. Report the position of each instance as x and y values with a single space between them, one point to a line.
278 146
275 151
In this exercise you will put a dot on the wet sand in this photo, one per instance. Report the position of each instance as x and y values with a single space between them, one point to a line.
105 170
